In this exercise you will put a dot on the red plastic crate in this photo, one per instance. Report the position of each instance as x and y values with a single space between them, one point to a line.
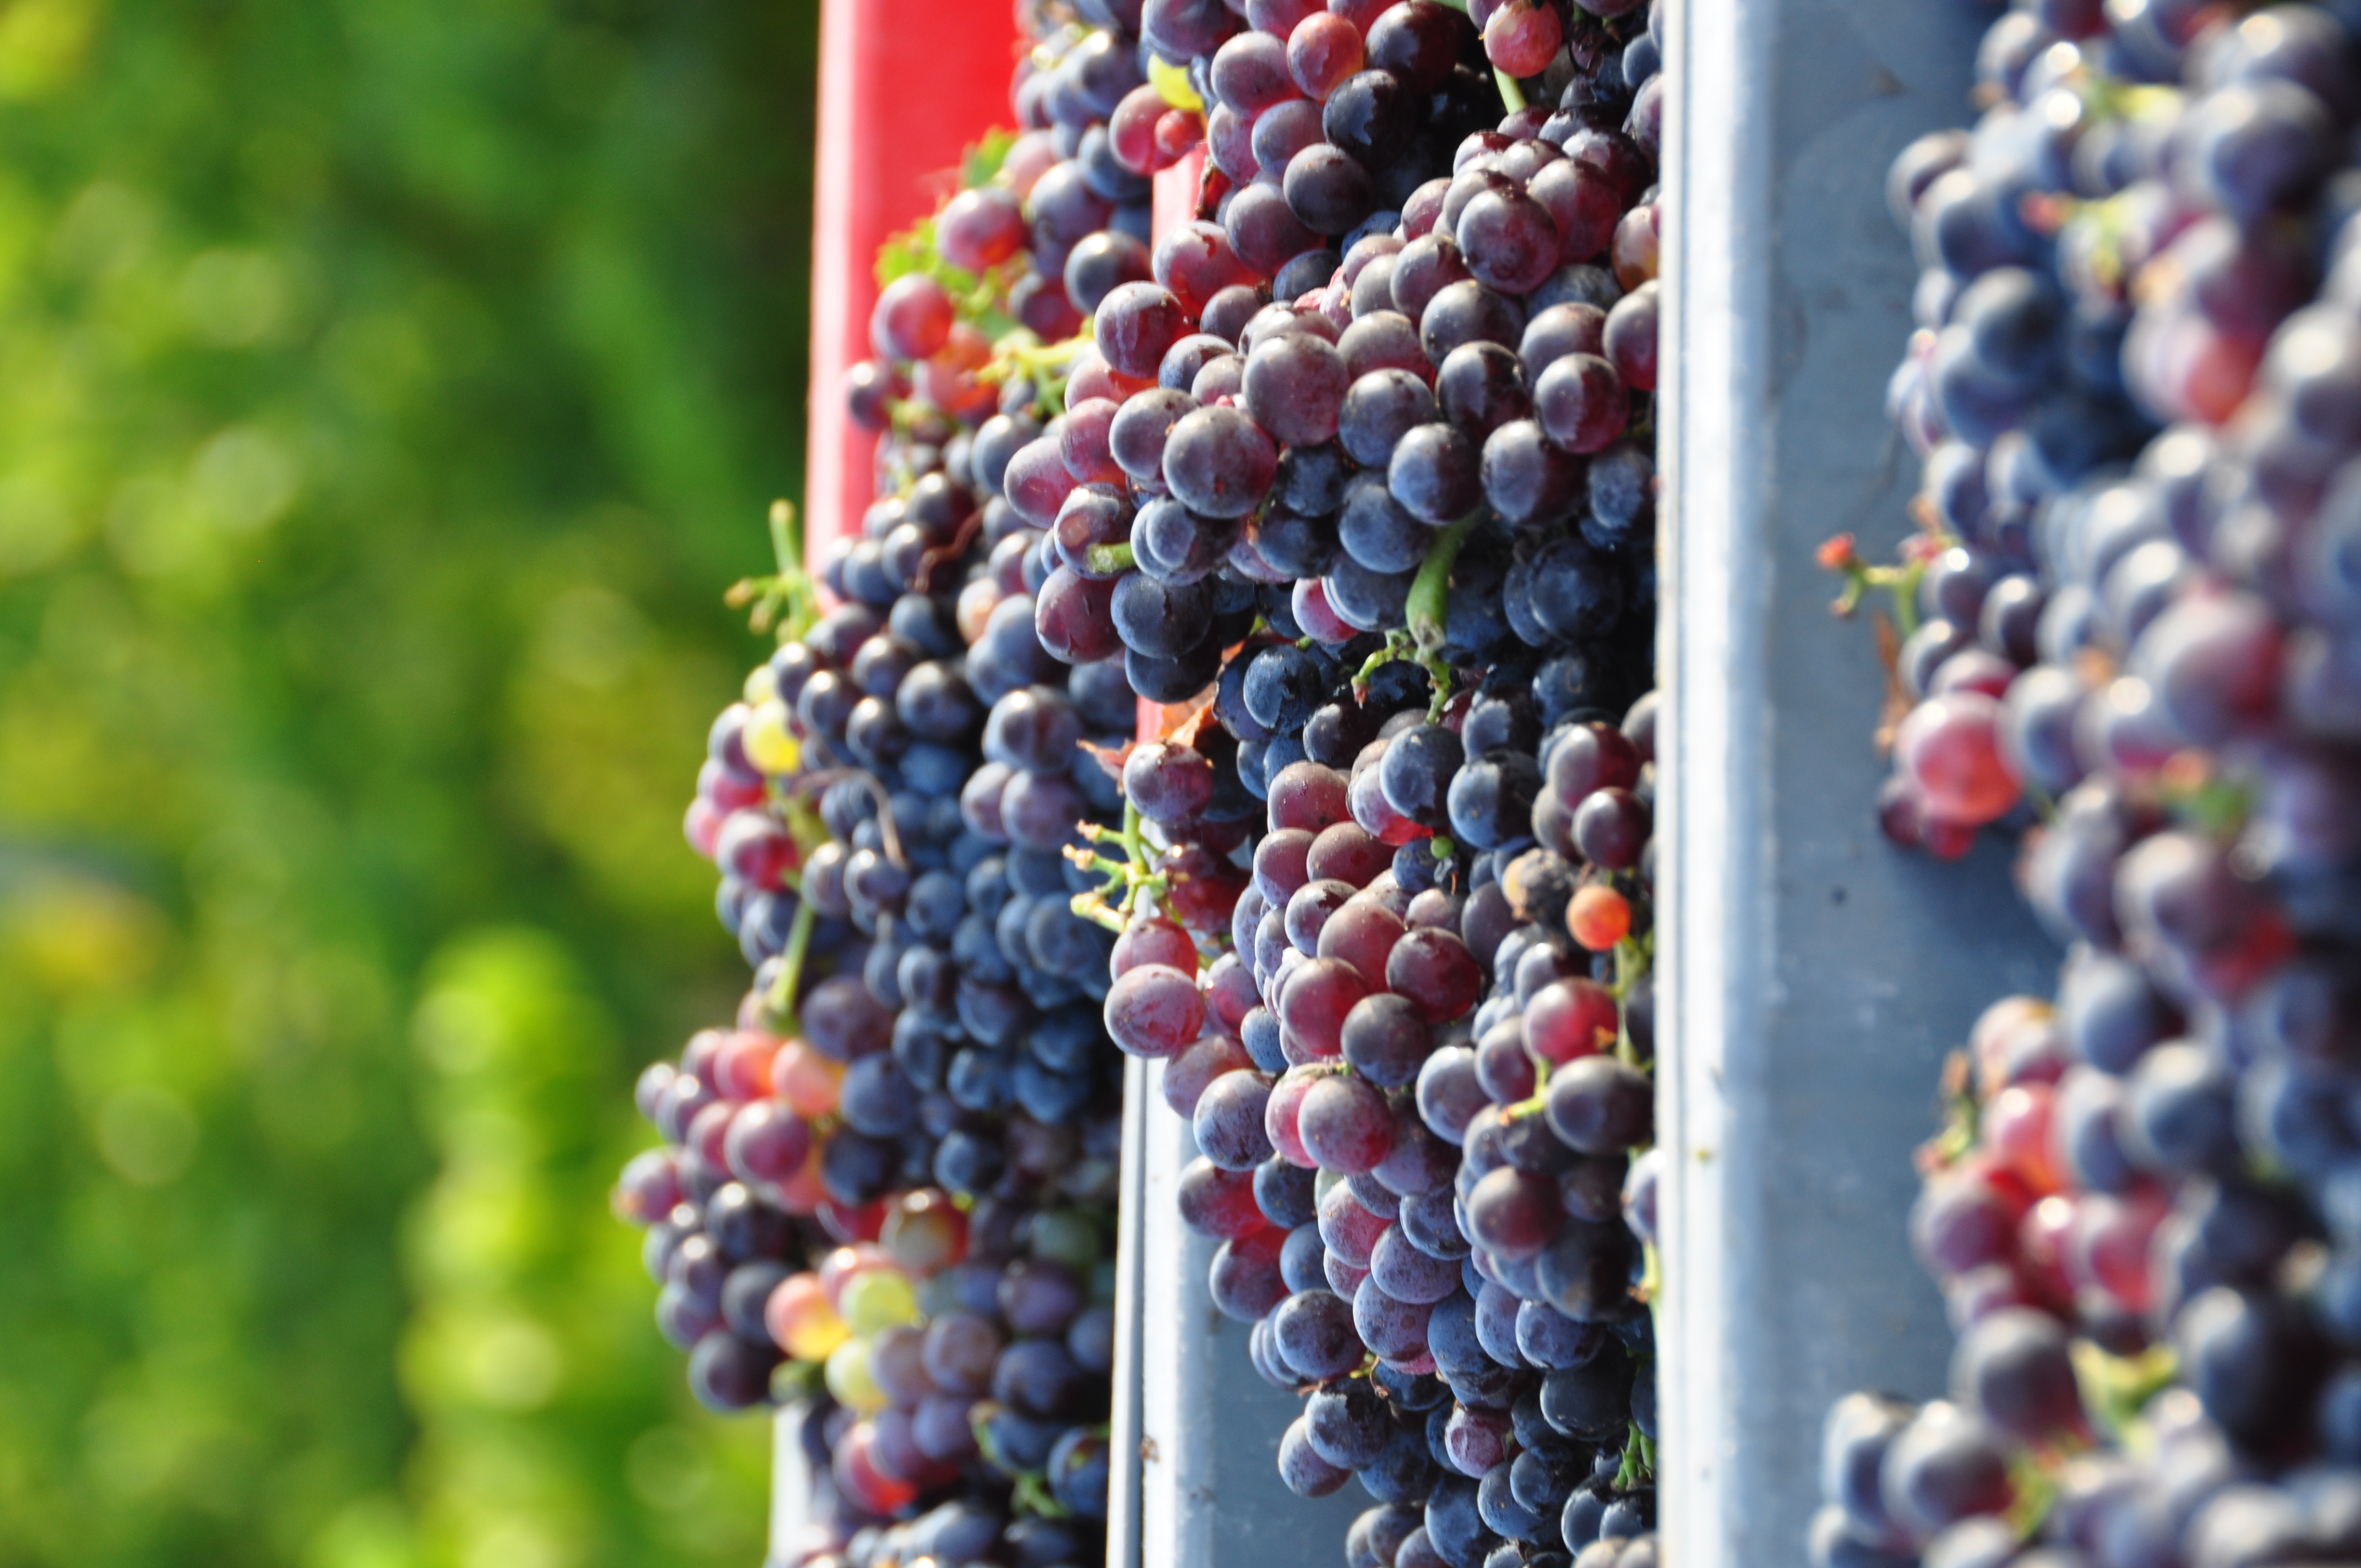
904 89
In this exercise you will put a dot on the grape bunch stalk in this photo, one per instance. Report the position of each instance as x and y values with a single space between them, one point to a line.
2124 634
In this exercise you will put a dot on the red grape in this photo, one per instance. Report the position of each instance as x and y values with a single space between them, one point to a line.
1514 1213
1190 1074
1345 1124
1571 1018
1308 797
1281 1111
1348 1230
1282 865
1949 747
1154 1011
1217 1202
1074 619
1345 851
1152 939
1598 917
913 318
1245 1281
1314 1003
1436 973
767 1143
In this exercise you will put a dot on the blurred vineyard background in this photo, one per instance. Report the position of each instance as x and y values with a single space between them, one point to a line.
387 389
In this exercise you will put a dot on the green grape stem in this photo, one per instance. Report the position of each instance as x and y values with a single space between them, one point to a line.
791 964
1638 1460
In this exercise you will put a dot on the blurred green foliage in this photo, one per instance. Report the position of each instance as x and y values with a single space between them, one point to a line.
387 387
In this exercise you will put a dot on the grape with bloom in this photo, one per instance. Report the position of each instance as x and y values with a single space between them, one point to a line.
2122 636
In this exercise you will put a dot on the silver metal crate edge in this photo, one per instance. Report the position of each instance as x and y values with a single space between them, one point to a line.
1812 978
1714 200
1196 1428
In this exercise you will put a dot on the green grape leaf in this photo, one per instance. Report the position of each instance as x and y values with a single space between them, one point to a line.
981 161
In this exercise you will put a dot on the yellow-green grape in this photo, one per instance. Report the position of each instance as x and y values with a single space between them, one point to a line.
762 685
802 1322
879 1299
1171 82
849 1379
768 745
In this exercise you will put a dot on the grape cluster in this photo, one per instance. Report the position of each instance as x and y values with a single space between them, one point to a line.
1318 401
1418 1086
1367 451
890 1188
2135 390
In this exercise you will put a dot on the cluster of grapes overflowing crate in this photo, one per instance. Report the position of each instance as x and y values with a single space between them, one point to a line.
2130 630
1351 469
889 1190
1355 478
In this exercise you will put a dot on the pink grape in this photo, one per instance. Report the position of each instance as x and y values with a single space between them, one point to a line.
1154 1011
767 1143
2110 1246
1346 851
1282 865
1949 747
1230 995
1216 1202
1190 1074
1322 52
1309 601
1349 1230
1435 970
980 228
1245 1281
913 318
741 1067
1153 940
1073 618
1364 935
1317 999
1131 130
1308 797
1281 1111
1345 1124
1083 437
